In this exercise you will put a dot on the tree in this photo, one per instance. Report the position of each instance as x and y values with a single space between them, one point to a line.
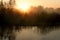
11 3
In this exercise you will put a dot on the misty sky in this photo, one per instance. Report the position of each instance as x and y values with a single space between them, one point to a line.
45 3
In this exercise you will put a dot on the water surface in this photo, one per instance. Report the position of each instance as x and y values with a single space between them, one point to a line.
30 33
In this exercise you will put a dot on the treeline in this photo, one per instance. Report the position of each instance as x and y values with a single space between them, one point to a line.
37 16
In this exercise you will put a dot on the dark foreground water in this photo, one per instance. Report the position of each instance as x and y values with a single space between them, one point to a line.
29 33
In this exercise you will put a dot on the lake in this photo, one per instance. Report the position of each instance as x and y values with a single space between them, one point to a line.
30 33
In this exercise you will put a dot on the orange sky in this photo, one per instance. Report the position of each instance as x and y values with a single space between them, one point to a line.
45 3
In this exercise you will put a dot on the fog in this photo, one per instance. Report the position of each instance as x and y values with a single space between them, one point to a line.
38 24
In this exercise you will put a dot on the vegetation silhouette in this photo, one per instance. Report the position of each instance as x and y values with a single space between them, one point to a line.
38 16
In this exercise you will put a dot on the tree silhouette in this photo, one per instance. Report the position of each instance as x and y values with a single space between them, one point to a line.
11 3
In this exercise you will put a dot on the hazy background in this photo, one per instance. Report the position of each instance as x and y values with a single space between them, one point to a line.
45 3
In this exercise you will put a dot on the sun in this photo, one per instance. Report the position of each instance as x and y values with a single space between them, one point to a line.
24 6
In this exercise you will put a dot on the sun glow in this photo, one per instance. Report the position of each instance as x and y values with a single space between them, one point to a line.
23 6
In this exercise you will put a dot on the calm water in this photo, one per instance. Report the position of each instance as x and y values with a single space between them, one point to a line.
30 33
